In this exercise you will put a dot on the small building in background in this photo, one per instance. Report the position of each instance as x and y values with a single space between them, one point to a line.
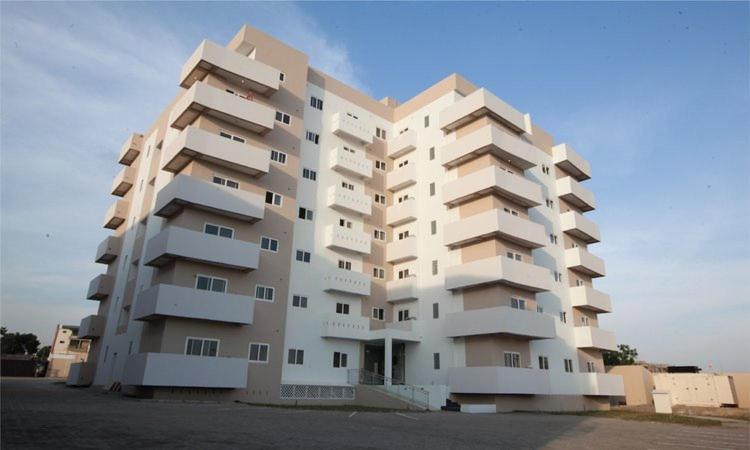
65 350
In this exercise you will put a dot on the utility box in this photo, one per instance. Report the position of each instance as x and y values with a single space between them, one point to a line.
662 402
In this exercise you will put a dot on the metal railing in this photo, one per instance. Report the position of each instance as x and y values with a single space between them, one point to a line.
412 394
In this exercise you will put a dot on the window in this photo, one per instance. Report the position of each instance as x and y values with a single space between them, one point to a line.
403 235
309 174
403 198
380 199
279 157
590 366
345 223
380 133
202 347
378 272
558 276
346 185
264 293
539 309
299 301
258 353
346 265
305 214
433 227
403 163
553 238
434 267
579 282
517 303
403 315
436 361
316 103
378 313
584 321
380 165
403 274
303 256
273 198
432 189
543 363
563 317
512 255
283 117
568 365
226 182
296 356
207 283
349 150
282 77
342 308
312 137
231 136
378 234
269 244
545 169
436 310
512 212
218 230
549 203
512 359
432 153
339 359
426 121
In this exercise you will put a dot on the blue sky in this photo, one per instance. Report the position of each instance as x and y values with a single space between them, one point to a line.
656 96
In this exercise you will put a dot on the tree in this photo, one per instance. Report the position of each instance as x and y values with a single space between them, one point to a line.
18 343
624 356
43 353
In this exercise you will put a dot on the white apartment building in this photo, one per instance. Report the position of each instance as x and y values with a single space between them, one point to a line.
281 237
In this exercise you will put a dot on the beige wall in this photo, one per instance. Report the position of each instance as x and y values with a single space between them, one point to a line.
488 350
741 383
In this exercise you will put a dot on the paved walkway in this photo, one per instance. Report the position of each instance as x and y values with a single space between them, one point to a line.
44 413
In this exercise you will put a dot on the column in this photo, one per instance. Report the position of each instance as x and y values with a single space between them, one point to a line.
388 372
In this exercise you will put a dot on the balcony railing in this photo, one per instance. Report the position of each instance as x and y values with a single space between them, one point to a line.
572 192
492 180
402 144
347 282
582 261
501 320
498 380
352 164
92 327
166 300
343 199
403 290
401 213
602 384
346 239
123 181
108 250
585 297
482 103
131 149
494 224
577 225
401 178
344 326
490 139
564 157
498 270
177 370
116 214
355 129
400 251
100 287
596 338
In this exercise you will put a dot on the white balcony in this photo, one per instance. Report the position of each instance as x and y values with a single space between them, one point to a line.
81 374
602 384
402 144
498 270
404 331
177 370
239 111
596 338
564 157
492 180
494 224
100 287
401 177
196 144
92 327
401 213
210 57
582 261
166 300
478 104
345 239
400 251
342 199
572 192
585 297
116 214
500 320
347 282
124 180
345 326
346 126
498 380
186 191
490 139
403 290
108 250
131 149
577 225
352 164
174 243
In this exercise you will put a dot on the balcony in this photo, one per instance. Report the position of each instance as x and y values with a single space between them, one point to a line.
585 297
498 380
578 226
602 384
401 177
404 331
478 104
166 300
131 149
402 144
564 157
352 164
400 251
345 326
123 181
186 191
92 327
135 256
403 290
582 261
498 270
100 287
239 111
348 240
572 192
108 250
490 139
175 243
401 213
492 180
197 144
342 199
177 370
494 224
500 320
354 129
81 374
230 65
347 282
116 214
595 338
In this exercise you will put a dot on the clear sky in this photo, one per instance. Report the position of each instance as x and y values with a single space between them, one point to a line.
655 96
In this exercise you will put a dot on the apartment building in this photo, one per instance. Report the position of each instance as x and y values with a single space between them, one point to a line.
279 236
68 347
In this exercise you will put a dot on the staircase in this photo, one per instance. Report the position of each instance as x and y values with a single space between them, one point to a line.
451 406
412 395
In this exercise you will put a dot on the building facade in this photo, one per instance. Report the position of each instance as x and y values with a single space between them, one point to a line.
281 237
67 348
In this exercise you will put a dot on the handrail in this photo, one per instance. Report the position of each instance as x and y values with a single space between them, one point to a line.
413 394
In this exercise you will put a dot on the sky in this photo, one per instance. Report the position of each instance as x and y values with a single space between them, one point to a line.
656 96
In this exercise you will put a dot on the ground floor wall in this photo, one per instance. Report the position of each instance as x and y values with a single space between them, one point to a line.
553 403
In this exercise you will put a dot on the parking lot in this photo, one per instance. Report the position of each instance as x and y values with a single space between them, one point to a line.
45 413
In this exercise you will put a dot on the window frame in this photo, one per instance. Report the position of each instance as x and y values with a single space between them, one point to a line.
265 288
203 340
260 345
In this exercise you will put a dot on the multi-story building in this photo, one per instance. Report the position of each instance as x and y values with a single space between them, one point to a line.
68 347
280 236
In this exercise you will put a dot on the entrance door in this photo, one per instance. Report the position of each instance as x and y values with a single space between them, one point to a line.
399 363
374 359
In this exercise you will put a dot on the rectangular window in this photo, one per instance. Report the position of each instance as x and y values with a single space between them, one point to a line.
432 153
201 347
433 227
316 103
403 274
513 255
553 238
339 359
269 244
346 265
378 313
273 198
282 77
303 256
432 189
380 133
512 359
378 235
207 283
436 310
436 361
309 174
403 315
380 165
264 293
346 185
380 199
279 157
342 308
517 303
218 230
345 223
426 121
283 117
568 365
299 301
231 136
312 137
258 352
296 356
563 317
305 214
378 272
543 363
225 182
434 267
